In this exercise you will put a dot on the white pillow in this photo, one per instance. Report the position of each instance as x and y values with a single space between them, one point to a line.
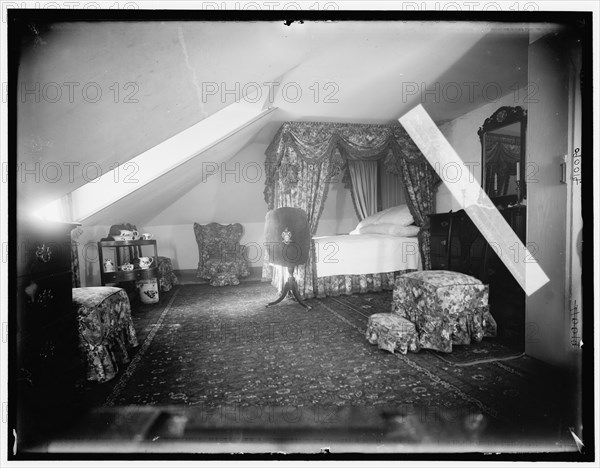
390 230
370 219
395 215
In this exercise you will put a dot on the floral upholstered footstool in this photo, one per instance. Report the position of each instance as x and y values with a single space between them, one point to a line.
446 307
391 332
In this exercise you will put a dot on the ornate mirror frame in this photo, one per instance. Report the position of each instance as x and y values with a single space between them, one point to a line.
504 117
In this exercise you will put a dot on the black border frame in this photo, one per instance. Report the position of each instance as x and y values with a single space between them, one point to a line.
580 21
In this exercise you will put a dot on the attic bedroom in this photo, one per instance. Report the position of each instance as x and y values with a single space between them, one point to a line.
232 236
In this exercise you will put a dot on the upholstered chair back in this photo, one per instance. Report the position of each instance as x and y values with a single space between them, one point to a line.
218 240
220 250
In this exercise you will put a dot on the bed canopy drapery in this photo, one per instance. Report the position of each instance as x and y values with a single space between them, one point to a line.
304 156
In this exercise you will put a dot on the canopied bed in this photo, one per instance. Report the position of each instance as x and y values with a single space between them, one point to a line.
300 163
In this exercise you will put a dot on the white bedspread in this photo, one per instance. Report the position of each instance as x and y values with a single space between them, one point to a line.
365 254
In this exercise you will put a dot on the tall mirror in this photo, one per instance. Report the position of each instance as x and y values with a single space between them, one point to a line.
503 155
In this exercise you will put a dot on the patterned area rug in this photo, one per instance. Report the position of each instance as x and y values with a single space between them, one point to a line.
221 348
488 350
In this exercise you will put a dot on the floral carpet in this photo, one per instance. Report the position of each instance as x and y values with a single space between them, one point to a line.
220 348
488 350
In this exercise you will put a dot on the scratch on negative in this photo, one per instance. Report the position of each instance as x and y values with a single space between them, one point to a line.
193 70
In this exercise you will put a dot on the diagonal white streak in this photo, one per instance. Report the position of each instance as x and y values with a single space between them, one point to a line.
473 199
193 70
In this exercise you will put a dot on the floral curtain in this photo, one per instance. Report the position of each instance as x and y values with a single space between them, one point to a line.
303 183
75 272
419 184
304 156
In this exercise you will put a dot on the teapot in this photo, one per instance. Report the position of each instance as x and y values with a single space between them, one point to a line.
109 266
145 262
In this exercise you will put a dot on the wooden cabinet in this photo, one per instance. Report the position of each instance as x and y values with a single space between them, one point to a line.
439 229
457 244
503 286
48 361
126 251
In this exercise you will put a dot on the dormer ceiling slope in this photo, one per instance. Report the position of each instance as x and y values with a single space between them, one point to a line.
96 95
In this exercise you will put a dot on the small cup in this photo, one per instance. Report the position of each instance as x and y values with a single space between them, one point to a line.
126 267
146 236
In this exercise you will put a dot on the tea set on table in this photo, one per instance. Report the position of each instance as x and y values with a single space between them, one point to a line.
127 235
143 262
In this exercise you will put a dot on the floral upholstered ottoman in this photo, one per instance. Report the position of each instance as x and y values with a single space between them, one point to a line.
106 331
446 307
391 332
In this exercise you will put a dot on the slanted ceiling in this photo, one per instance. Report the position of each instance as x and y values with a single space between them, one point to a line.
160 78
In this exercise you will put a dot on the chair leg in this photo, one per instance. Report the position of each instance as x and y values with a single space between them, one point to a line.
290 287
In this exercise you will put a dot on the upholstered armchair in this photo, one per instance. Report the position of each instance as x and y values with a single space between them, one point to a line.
222 257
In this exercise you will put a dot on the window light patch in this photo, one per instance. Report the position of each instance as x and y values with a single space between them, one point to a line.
113 185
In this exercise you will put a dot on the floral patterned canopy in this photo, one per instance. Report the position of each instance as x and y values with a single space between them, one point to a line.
334 144
304 156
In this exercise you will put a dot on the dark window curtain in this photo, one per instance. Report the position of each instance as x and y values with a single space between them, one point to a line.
364 187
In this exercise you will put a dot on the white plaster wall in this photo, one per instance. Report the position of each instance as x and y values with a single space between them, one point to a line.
549 134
